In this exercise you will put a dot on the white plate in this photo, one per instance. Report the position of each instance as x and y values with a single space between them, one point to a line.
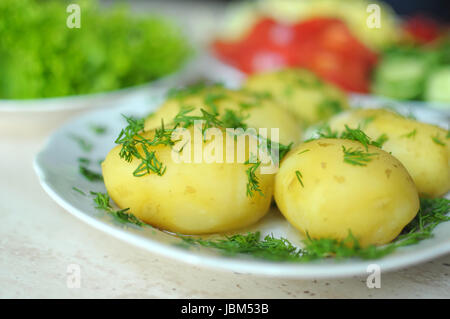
57 168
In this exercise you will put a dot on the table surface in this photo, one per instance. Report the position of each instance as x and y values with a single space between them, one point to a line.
39 241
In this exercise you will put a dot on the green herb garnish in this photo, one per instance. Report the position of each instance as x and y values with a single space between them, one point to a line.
131 140
357 157
253 182
90 175
351 134
83 143
299 177
410 134
98 129
437 140
379 142
79 190
328 108
432 213
102 200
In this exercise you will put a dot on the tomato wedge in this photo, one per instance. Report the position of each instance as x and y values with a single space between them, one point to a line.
323 45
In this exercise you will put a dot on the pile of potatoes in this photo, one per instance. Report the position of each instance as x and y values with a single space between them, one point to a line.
317 190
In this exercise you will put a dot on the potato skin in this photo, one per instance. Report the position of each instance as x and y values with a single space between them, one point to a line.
374 202
189 198
301 92
258 112
427 162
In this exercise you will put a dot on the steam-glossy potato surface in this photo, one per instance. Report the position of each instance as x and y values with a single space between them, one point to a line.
256 111
375 202
300 92
189 198
423 149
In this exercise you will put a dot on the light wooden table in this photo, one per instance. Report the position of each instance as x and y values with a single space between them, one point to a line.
39 240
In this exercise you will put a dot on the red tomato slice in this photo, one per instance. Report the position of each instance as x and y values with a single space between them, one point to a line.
422 29
323 45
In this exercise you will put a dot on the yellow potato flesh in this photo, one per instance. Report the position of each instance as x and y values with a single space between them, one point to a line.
375 202
416 145
257 112
189 198
301 92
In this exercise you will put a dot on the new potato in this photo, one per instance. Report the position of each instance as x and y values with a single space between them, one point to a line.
374 202
189 198
257 112
423 149
301 92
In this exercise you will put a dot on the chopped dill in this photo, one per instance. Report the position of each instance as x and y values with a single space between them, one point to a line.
90 175
329 107
83 143
211 99
123 216
379 142
84 160
351 134
357 157
98 129
304 151
79 190
411 134
366 121
299 177
232 120
131 140
437 140
359 136
432 213
253 182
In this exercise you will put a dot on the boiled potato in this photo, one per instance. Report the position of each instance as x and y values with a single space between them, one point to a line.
257 112
301 92
334 197
422 148
189 198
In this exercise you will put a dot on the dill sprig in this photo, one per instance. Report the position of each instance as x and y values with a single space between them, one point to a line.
78 190
132 140
410 134
269 248
82 142
299 177
253 182
98 129
232 120
89 174
357 157
432 213
356 134
211 99
437 140
329 107
102 200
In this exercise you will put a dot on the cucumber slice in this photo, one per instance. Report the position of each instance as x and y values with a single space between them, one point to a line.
438 86
400 77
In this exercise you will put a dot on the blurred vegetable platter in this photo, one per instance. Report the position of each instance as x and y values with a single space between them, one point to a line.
405 59
41 57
